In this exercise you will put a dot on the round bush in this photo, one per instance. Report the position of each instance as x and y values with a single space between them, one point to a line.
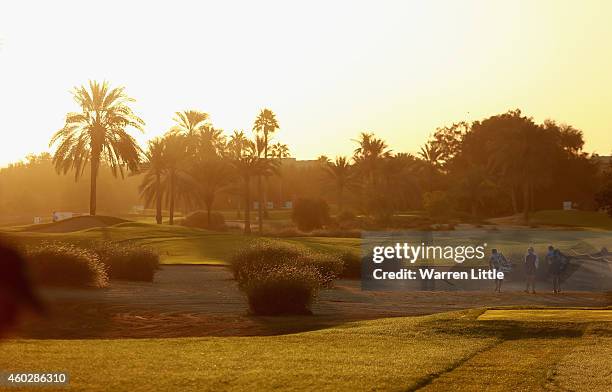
310 214
199 220
282 290
279 278
66 265
128 261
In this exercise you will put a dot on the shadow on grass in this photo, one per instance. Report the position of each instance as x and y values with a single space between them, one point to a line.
72 320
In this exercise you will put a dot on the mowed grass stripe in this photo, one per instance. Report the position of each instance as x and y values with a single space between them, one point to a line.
587 367
514 365
564 315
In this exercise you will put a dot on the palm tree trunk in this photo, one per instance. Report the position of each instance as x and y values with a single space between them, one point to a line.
171 221
340 199
95 164
260 207
247 207
265 188
158 199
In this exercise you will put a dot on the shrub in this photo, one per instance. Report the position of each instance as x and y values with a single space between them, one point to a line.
127 261
199 219
310 214
66 265
283 289
279 278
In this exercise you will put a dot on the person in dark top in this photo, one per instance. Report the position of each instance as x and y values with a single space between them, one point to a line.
531 268
16 294
556 269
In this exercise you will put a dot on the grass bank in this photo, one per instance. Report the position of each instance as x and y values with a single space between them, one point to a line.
386 354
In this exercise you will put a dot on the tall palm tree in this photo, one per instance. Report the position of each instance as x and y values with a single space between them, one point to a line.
369 157
189 122
243 156
430 154
369 154
176 153
211 174
98 133
264 126
340 172
155 166
280 151
167 176
210 141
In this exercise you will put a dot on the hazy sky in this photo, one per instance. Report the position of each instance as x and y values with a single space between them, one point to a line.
328 69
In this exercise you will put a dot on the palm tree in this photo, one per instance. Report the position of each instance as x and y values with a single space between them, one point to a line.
98 133
243 155
430 154
189 122
155 165
211 174
176 152
369 155
340 172
280 151
210 141
265 125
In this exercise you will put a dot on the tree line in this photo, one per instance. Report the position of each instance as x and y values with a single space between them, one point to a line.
503 164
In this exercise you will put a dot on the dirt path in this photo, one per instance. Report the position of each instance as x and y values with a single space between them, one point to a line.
205 301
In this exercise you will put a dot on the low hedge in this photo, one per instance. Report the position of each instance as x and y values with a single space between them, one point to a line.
279 278
66 265
127 261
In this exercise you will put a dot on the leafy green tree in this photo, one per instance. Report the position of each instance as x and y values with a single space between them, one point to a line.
98 133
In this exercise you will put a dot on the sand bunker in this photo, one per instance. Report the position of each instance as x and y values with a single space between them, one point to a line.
76 224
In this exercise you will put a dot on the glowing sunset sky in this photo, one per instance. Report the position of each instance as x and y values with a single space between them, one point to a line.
328 69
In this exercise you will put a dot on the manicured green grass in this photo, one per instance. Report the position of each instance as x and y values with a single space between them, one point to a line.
572 218
178 244
273 215
590 356
567 315
389 354
436 352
